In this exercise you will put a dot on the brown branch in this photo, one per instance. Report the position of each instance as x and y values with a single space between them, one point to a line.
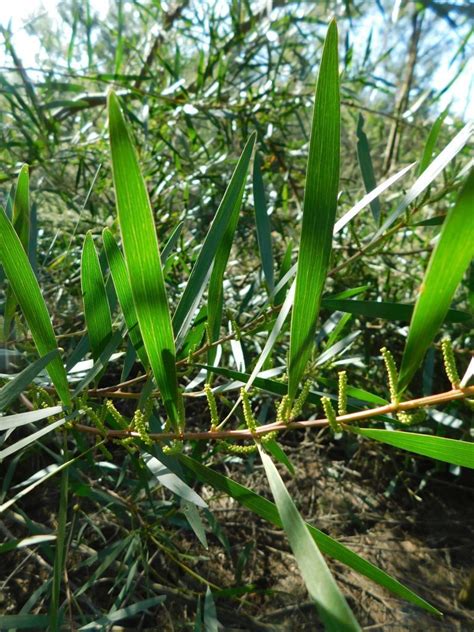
401 103
430 400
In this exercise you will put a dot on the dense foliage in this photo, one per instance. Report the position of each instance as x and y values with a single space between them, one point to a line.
201 258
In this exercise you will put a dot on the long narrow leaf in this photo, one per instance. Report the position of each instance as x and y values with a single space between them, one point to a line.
20 382
322 588
262 222
429 174
319 211
197 279
215 297
32 438
268 511
28 294
140 245
448 262
119 273
94 296
21 224
386 310
21 419
440 448
366 167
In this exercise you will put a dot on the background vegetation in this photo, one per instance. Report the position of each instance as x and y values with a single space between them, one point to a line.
109 538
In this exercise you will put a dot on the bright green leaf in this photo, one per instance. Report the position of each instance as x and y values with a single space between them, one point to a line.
449 261
94 296
142 257
440 448
321 585
28 294
319 211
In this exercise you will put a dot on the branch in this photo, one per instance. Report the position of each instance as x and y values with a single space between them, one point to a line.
430 400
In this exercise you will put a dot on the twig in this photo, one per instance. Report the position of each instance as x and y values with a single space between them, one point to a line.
430 400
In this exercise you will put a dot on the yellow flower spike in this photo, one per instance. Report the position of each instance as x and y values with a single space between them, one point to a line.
139 424
331 415
450 362
300 401
392 373
212 404
248 414
233 448
283 410
342 393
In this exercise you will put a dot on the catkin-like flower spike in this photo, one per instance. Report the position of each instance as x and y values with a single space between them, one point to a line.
95 418
331 415
105 451
248 414
139 424
300 400
266 438
450 362
114 413
234 448
392 373
211 402
342 393
283 410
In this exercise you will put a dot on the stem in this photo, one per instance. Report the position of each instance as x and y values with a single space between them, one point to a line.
430 400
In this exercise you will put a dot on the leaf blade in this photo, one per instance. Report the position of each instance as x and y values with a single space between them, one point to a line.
94 296
28 294
320 583
441 448
140 245
448 262
319 211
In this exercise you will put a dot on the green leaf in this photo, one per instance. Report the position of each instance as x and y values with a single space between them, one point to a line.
267 510
94 296
448 262
171 481
386 310
262 222
32 438
366 167
20 382
140 245
21 419
118 271
199 274
431 142
319 211
23 622
321 585
429 174
123 613
211 623
28 294
101 362
60 549
21 207
33 540
215 299
440 448
191 512
367 199
21 224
